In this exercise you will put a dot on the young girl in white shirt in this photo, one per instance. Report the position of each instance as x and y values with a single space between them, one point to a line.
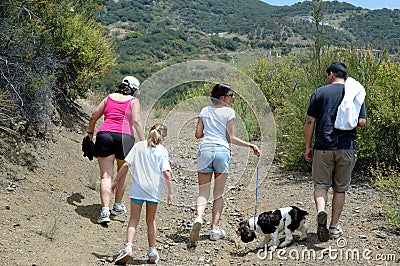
151 167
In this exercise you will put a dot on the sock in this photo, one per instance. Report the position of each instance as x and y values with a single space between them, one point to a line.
128 247
152 249
105 209
117 204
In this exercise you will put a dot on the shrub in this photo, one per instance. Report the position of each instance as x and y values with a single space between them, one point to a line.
387 183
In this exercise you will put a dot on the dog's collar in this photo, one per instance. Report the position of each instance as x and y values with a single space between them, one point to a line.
252 223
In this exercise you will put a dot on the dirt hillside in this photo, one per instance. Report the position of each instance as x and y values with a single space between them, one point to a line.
48 216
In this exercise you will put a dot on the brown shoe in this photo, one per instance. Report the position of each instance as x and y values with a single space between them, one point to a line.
322 231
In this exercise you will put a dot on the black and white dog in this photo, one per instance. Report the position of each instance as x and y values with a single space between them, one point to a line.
270 223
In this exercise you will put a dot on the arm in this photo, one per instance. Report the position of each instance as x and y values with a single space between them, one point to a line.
199 129
167 176
121 174
98 112
309 130
136 119
230 128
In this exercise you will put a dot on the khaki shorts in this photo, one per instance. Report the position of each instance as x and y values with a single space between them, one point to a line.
332 168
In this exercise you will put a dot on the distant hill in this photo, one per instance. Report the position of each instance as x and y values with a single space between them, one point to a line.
153 33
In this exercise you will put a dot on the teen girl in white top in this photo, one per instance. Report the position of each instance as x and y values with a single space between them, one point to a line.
216 127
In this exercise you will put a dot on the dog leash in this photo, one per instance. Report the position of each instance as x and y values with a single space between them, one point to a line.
255 208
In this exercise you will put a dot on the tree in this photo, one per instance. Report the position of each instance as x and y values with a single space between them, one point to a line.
50 51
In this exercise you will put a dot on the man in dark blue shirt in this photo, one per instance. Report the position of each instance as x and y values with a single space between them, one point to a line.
333 154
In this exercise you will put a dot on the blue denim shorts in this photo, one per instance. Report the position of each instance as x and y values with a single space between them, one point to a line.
139 201
213 158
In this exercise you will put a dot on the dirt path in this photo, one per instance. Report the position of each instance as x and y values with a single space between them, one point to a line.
48 217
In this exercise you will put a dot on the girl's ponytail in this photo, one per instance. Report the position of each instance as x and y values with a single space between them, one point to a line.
157 134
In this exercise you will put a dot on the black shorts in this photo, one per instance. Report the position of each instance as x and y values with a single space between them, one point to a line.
109 143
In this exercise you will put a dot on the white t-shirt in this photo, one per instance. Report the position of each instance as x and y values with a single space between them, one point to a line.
148 164
214 120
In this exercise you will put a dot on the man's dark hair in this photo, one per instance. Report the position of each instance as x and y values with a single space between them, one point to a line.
339 70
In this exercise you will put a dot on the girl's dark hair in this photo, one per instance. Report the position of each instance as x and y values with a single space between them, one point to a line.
157 134
218 91
339 70
126 90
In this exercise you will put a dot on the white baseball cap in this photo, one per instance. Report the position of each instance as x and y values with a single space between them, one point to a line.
131 81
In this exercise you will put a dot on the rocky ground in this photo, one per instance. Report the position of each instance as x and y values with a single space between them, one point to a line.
48 216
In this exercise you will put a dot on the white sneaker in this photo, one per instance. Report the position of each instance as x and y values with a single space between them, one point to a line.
335 231
124 255
153 257
195 232
217 234
118 209
104 218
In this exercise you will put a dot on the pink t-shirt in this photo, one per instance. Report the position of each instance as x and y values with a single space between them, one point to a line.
117 117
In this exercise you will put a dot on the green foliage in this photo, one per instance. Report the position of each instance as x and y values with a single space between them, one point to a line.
51 51
387 182
383 101
152 37
286 87
77 38
375 29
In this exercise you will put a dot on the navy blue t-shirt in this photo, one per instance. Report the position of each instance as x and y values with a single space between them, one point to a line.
323 106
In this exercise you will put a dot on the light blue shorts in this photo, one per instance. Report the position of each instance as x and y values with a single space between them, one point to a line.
139 201
213 158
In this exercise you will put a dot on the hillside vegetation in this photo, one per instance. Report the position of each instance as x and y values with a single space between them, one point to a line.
53 52
153 34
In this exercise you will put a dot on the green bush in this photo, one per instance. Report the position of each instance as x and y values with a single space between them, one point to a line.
383 103
284 84
387 182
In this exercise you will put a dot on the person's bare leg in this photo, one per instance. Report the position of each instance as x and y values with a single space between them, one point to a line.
106 165
119 194
218 194
337 206
320 198
133 221
151 224
204 180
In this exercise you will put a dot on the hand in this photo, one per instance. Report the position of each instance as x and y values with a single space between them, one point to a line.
114 187
90 135
255 149
308 155
169 199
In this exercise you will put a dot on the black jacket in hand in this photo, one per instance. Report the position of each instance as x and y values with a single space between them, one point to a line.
87 148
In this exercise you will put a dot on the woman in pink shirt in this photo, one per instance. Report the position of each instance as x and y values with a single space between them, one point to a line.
114 139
